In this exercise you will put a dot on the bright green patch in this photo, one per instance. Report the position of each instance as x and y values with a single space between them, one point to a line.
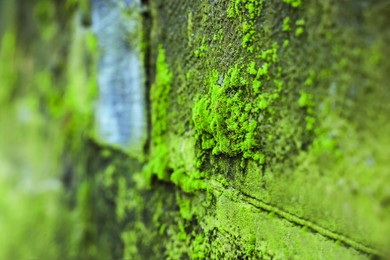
286 24
293 3
159 160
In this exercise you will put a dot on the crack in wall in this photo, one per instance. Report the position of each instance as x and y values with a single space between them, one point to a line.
239 196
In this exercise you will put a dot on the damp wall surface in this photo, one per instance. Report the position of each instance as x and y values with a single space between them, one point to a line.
276 127
266 125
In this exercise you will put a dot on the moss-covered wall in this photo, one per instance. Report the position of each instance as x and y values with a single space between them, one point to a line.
268 128
276 127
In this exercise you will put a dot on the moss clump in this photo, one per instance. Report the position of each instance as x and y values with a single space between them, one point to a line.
249 8
226 117
189 182
247 11
223 119
160 164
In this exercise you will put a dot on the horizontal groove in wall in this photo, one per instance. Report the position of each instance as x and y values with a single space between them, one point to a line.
239 196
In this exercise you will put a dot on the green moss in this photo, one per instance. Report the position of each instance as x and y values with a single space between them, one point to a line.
121 199
299 31
234 9
293 3
286 43
310 79
247 12
44 11
200 248
201 52
159 159
185 208
189 182
160 163
7 66
305 100
222 119
286 24
300 22
269 115
190 32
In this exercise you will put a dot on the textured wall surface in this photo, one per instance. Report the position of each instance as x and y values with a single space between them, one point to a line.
276 127
267 126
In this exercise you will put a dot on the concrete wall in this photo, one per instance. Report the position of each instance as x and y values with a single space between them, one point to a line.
267 134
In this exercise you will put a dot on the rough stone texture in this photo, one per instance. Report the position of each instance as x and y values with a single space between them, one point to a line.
279 108
267 137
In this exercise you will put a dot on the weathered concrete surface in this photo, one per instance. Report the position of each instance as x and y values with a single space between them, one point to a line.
277 125
268 128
